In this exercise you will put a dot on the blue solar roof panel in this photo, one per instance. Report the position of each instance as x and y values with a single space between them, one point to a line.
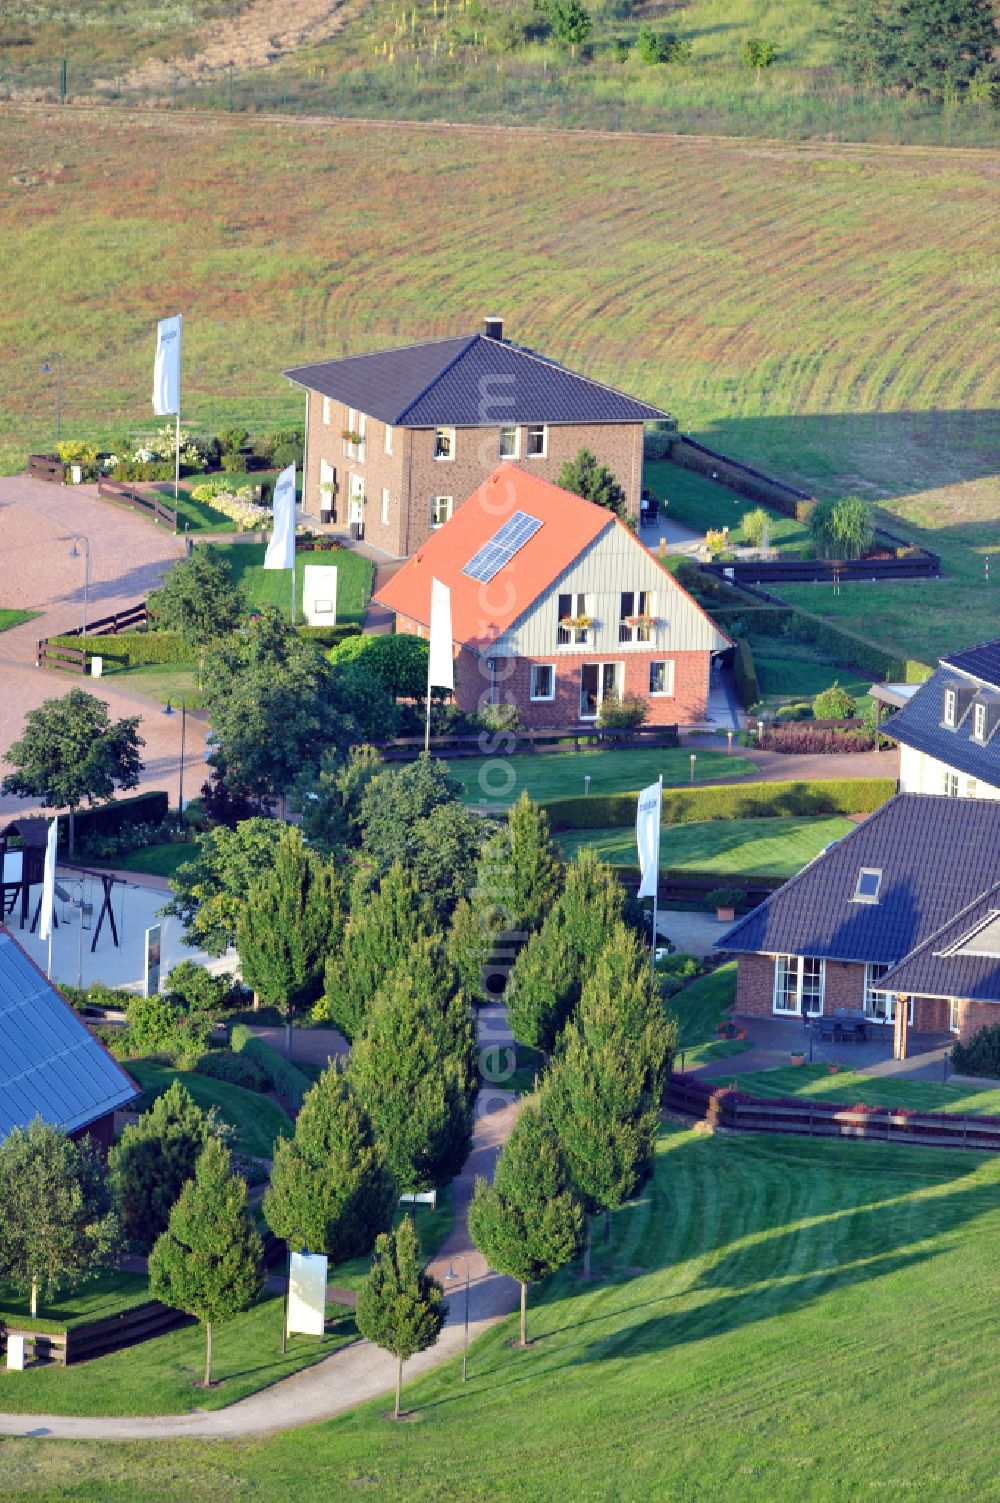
498 552
51 1066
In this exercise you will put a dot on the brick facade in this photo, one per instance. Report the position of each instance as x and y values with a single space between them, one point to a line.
413 477
845 987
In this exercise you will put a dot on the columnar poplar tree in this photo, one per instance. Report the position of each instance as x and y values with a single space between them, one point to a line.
329 1182
400 1307
154 1159
291 920
380 935
618 1005
546 979
208 1261
529 1222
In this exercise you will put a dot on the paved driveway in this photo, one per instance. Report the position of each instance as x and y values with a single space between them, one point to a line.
128 558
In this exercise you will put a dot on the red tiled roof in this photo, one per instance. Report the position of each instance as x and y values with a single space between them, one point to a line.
480 613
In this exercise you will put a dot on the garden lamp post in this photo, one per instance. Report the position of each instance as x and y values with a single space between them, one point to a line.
304 1250
586 783
47 365
169 710
694 759
451 1275
75 552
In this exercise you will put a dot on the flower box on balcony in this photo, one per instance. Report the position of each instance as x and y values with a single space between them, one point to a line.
576 623
639 621
351 437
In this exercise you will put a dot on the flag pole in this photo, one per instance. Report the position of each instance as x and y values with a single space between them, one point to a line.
48 969
177 447
656 886
427 722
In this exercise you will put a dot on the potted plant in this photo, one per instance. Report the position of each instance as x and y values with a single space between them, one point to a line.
724 900
350 436
797 1057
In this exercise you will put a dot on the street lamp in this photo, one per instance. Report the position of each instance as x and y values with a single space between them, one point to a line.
74 552
452 1275
47 365
169 710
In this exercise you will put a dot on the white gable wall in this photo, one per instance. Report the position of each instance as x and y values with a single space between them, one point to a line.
920 773
613 563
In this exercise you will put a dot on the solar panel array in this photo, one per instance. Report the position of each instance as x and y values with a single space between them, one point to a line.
498 552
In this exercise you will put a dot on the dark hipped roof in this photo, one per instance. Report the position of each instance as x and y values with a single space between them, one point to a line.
981 662
936 856
445 382
930 972
51 1066
920 724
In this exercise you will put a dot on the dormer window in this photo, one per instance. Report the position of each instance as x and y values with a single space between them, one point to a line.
869 882
979 722
950 708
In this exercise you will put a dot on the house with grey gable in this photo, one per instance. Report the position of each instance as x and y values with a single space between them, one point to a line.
948 730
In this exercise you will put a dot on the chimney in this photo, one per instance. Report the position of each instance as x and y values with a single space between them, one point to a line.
493 328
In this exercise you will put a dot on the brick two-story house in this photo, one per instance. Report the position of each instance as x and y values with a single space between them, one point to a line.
396 439
865 922
555 605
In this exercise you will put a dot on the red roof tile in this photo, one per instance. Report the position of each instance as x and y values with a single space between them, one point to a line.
480 613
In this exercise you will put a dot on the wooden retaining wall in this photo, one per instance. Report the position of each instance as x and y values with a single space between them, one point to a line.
131 497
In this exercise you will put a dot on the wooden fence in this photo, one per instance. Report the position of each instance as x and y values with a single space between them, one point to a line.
130 496
70 659
828 1119
470 744
96 1338
46 467
920 564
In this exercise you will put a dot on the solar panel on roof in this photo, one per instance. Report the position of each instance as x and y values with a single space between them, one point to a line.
498 552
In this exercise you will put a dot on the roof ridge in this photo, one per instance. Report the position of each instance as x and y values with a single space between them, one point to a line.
449 365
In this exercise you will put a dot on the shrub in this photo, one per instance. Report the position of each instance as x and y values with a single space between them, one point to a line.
233 462
284 1077
680 964
193 988
812 741
728 801
622 714
126 469
108 819
236 1069
132 649
289 452
745 675
499 717
662 47
980 1055
841 529
233 440
725 897
834 704
755 524
157 1027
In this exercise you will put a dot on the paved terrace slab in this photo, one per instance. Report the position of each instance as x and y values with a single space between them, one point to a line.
129 555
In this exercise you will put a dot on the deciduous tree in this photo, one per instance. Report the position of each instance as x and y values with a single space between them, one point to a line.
400 1307
199 599
210 890
154 1159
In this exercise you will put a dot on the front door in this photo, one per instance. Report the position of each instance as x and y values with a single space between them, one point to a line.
597 681
356 500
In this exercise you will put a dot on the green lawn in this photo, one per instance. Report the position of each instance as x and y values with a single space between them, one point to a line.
10 617
551 775
274 587
787 669
257 1119
201 516
922 1095
432 1228
777 1321
701 503
165 682
740 847
699 1009
160 1376
157 860
97 1299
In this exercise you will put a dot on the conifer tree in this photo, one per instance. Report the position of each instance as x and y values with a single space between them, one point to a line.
153 1160
290 922
382 931
529 1222
535 865
207 1262
469 945
400 1307
329 1183
618 1005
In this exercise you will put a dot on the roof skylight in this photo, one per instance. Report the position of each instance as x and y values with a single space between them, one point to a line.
869 881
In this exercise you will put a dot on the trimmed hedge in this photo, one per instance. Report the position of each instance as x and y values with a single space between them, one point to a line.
132 649
329 636
841 644
284 1077
745 675
108 819
682 806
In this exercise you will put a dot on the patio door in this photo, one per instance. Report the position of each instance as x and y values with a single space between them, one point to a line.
356 499
881 1006
597 681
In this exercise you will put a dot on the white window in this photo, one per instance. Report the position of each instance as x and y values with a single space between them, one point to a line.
574 621
970 787
386 503
388 438
444 443
661 676
440 510
508 443
536 442
798 984
979 722
354 435
950 783
543 681
954 1015
869 881
598 682
950 705
636 616
877 1004
326 411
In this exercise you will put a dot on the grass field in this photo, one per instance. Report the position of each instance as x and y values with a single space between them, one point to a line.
798 670
274 586
747 847
703 504
922 1095
10 617
257 1119
561 774
699 1009
776 1319
159 860
99 1298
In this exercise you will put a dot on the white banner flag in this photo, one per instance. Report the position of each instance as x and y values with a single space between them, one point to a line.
307 1293
167 367
49 881
441 666
281 549
647 834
